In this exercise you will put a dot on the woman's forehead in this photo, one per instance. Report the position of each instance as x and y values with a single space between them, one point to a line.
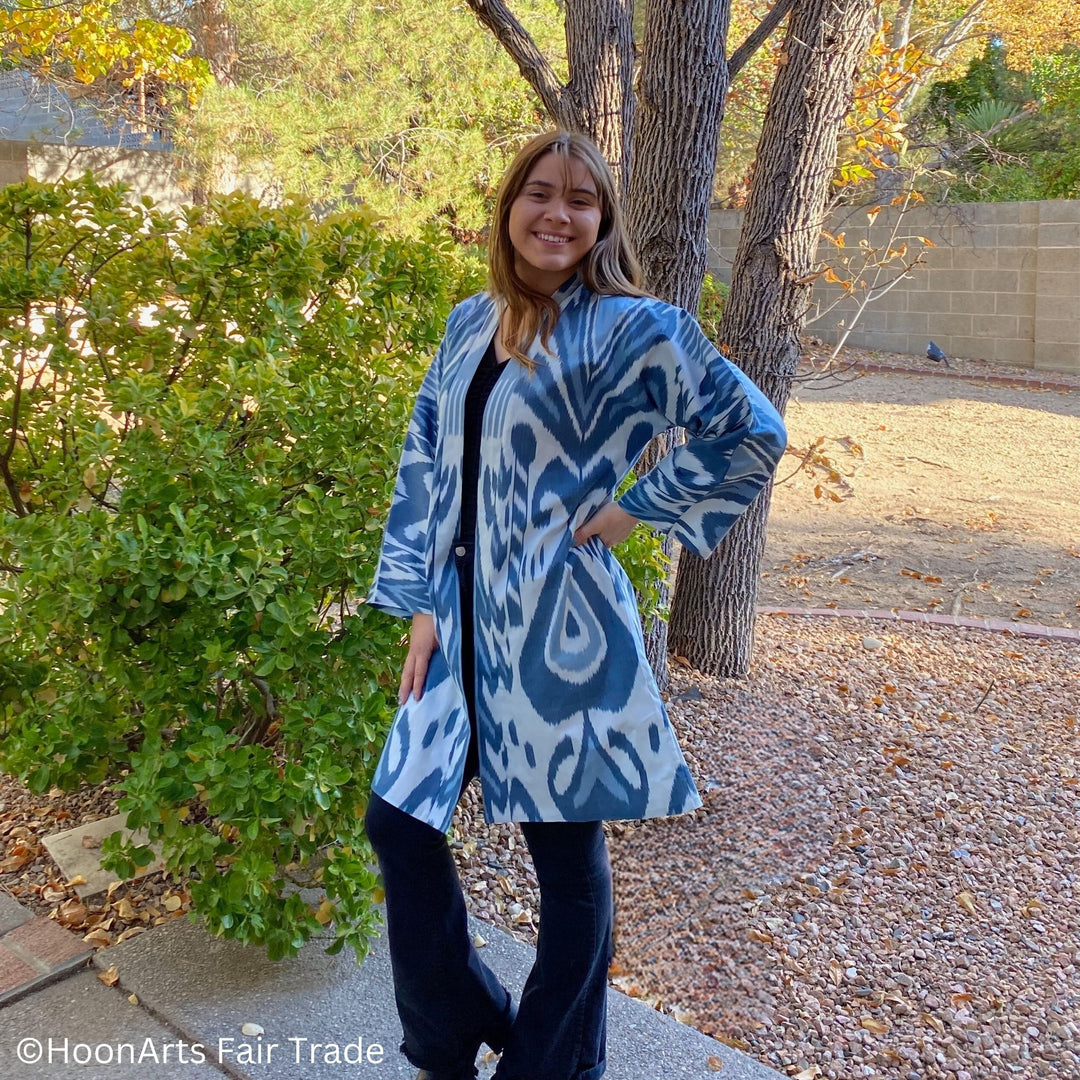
561 171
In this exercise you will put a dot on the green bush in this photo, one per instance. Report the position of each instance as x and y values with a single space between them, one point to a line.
200 420
711 303
1033 158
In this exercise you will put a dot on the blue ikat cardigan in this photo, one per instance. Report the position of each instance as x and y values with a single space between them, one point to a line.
571 725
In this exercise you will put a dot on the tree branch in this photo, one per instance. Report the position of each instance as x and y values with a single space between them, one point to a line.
758 37
518 42
981 138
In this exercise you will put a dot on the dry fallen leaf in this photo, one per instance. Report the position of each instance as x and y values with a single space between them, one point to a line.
811 1072
934 1022
78 879
72 913
478 942
172 903
110 976
133 998
253 1029
878 1027
98 938
967 902
715 1063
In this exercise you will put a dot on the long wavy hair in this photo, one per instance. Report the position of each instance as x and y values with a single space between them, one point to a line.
610 268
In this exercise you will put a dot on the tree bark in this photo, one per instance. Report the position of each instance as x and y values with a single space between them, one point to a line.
758 36
215 38
599 99
600 93
712 619
681 90
531 62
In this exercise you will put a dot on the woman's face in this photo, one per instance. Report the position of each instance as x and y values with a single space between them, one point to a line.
554 221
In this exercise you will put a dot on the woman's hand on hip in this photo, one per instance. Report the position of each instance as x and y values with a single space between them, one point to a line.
611 523
422 643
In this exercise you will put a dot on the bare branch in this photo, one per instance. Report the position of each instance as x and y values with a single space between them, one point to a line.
901 28
981 138
758 37
523 50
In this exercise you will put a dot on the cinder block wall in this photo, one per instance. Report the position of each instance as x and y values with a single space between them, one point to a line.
148 172
12 162
1002 281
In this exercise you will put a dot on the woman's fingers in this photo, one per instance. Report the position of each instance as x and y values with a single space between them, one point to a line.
419 676
611 523
406 678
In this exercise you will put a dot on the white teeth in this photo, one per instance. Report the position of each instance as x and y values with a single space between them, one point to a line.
553 239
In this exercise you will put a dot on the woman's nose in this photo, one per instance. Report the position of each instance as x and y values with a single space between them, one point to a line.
557 211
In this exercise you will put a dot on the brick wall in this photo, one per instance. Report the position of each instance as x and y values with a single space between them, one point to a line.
1002 281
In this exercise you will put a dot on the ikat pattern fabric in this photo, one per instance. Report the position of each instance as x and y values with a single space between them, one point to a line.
571 725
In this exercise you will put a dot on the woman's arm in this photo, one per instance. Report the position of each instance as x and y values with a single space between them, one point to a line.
401 585
735 437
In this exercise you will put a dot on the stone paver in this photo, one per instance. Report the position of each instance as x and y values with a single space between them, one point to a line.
15 973
96 1034
37 952
75 859
12 914
207 989
1057 633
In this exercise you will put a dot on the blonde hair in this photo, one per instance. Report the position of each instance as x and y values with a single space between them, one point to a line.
610 268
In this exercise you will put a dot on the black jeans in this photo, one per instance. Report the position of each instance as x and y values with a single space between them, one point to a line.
448 1000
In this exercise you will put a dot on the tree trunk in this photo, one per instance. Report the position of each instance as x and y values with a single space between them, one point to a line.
215 38
599 98
681 92
712 619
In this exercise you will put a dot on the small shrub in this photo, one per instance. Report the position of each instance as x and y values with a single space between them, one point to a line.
711 303
202 417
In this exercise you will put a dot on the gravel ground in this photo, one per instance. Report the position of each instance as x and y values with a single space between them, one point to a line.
884 881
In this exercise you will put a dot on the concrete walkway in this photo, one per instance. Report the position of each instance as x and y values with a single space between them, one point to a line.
194 994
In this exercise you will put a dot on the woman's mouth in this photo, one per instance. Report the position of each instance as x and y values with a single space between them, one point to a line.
551 238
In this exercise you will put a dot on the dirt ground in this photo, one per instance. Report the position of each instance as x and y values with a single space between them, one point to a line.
946 495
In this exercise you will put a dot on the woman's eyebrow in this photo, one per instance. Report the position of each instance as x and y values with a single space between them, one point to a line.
551 187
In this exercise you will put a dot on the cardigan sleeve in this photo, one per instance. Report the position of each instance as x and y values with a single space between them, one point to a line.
402 585
735 437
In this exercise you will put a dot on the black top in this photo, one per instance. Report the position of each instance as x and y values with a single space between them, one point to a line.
487 375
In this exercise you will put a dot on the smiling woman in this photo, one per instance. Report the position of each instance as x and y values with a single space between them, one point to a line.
526 661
